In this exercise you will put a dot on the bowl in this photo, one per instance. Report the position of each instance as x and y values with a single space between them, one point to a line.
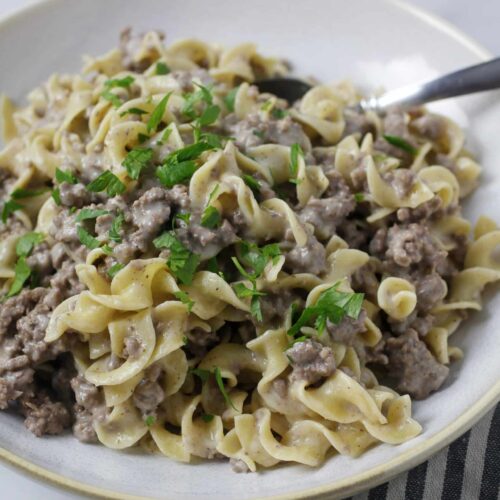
375 44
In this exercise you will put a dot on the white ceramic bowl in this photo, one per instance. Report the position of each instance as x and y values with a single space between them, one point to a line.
374 43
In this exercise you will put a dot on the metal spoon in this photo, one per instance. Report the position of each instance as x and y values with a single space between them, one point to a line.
478 78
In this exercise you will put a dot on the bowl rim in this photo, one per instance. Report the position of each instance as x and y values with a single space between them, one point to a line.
353 484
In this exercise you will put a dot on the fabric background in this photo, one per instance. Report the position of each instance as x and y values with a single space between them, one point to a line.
468 469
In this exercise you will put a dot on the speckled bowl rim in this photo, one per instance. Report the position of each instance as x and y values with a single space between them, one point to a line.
353 484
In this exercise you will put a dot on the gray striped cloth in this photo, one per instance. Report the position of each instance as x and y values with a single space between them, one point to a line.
468 469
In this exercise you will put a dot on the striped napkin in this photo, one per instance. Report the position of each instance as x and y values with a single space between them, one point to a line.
468 469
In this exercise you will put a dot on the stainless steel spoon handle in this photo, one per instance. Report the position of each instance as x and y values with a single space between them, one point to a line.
484 76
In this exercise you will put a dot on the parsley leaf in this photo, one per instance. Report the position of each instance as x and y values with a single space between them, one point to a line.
210 218
90 213
181 262
9 207
252 183
22 273
142 138
175 173
108 182
185 299
400 143
56 196
112 98
184 217
162 68
113 270
212 266
157 114
20 193
242 291
230 97
119 82
191 152
279 113
116 225
201 373
65 176
134 111
295 151
209 116
359 197
255 309
331 305
257 258
220 384
86 238
192 99
136 160
207 417
150 420
25 243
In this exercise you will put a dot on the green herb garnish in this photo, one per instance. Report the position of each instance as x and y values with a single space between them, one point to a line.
157 114
162 68
108 182
181 261
400 143
210 218
201 373
114 231
9 207
359 197
207 417
331 305
90 213
65 176
185 299
230 97
295 151
191 100
113 270
20 193
86 238
25 243
112 98
119 82
278 113
22 273
149 420
134 111
136 160
222 389
252 183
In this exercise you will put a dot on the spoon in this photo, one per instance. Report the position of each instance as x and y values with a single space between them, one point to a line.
478 78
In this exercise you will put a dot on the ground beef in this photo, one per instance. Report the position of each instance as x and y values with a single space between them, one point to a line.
274 306
40 261
402 181
326 214
44 416
420 323
254 131
430 126
365 280
310 258
147 396
431 289
413 244
200 341
207 242
357 123
345 331
417 371
13 384
429 209
75 195
311 361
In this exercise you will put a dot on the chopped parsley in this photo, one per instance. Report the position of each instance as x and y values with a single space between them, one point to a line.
86 238
279 113
108 182
116 225
252 183
201 373
9 207
230 97
332 305
134 111
26 243
162 68
295 151
142 138
207 417
65 176
136 160
258 133
56 196
212 265
20 193
220 384
203 94
185 299
179 166
22 273
181 262
119 82
90 213
400 143
113 270
184 217
112 98
150 420
359 197
157 114
210 218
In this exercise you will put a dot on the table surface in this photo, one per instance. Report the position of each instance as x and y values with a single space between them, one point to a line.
478 19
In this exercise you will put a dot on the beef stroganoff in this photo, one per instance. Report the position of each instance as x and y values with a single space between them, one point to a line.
200 269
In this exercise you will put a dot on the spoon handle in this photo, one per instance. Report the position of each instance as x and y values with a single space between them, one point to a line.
484 76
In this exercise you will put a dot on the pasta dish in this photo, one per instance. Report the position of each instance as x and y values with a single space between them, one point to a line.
203 270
